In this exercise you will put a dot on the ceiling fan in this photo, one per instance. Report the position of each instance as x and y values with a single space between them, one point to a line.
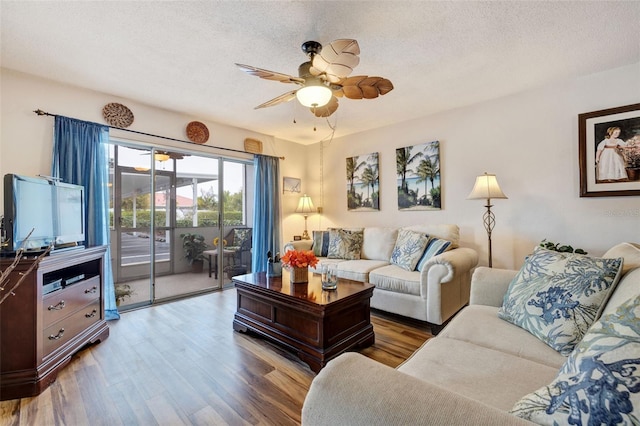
325 78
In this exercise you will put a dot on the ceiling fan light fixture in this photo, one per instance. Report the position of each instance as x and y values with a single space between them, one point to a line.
314 95
161 157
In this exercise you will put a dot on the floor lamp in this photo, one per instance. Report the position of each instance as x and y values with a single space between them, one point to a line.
486 188
305 206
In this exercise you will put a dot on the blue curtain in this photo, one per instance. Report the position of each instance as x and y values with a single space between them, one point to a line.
266 211
80 157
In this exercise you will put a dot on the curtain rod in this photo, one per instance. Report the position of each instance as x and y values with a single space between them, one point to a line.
41 112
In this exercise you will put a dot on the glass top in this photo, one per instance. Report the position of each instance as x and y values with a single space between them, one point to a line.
311 291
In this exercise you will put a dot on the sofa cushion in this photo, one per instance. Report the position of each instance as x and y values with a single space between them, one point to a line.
394 278
557 296
442 231
321 243
378 243
240 235
629 252
625 290
435 247
481 326
408 249
600 382
483 374
358 270
345 244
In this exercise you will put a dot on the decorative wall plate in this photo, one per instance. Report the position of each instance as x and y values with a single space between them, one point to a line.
253 146
197 132
117 115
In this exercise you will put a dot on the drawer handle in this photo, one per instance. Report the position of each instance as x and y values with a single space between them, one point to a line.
91 290
92 314
57 306
57 336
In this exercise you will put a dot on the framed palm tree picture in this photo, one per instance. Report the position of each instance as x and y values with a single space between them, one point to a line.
418 170
363 183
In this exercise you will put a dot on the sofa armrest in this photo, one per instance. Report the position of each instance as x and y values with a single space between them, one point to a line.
444 266
355 390
488 285
298 245
452 268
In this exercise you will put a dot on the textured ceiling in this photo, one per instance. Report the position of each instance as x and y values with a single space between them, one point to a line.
439 55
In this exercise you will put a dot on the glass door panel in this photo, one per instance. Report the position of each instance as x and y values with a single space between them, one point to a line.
197 221
132 196
162 201
237 220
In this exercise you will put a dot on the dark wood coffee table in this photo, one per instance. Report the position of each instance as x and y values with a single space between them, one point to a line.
317 325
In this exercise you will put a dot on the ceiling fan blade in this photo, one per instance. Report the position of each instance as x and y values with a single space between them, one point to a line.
337 60
326 110
365 87
285 97
270 75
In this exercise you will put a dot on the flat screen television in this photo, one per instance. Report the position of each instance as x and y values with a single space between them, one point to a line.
53 210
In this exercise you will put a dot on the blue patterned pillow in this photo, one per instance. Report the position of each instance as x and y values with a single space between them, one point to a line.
408 249
557 296
320 243
435 247
345 244
600 381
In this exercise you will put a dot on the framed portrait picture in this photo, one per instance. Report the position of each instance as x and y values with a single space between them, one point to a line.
290 185
609 152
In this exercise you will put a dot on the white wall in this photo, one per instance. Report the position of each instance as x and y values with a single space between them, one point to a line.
529 140
26 139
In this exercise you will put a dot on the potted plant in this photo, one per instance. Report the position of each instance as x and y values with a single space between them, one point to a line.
194 247
122 291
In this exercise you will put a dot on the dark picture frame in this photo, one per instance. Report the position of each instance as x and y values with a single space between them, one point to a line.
609 159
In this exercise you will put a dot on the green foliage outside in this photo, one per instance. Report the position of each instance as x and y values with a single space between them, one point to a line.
207 212
205 218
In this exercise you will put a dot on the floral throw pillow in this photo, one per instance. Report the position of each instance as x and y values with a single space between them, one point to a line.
345 244
600 381
557 296
408 249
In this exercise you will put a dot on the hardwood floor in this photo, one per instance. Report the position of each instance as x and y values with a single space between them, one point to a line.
181 363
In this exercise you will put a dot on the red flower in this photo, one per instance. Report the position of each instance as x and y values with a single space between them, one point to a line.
299 259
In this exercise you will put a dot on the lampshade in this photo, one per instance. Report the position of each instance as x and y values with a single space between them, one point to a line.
314 95
305 205
485 188
161 157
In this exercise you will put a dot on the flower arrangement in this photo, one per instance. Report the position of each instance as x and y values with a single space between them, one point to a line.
216 240
299 259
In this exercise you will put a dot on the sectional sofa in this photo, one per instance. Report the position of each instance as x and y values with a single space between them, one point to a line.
489 367
428 281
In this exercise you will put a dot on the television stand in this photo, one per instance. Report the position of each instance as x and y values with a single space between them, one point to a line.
40 331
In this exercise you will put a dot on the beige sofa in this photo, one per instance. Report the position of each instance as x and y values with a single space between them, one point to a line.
473 372
433 294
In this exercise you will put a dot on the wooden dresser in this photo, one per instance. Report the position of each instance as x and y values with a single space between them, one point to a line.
41 328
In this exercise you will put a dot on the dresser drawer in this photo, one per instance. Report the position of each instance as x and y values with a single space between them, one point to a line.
62 331
62 303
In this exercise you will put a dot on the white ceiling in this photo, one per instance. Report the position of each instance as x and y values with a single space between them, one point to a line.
439 55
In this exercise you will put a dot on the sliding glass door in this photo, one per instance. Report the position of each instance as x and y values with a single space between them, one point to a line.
186 211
